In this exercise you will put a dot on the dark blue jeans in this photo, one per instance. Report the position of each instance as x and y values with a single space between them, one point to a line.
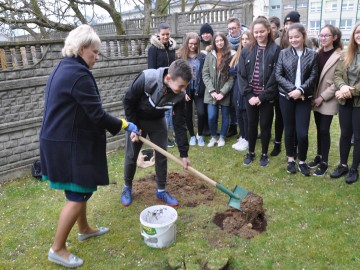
296 117
213 111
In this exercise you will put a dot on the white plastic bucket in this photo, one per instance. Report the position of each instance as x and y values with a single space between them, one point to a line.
158 225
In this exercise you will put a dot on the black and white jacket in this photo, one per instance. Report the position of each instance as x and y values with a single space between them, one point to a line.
286 67
246 67
160 55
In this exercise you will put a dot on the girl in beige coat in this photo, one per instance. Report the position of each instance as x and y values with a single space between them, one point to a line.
325 105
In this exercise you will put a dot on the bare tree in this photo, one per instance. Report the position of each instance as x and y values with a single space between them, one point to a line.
39 18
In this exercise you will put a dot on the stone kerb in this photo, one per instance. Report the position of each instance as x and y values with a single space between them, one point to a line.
21 107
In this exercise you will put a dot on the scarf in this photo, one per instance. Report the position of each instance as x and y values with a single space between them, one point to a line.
234 41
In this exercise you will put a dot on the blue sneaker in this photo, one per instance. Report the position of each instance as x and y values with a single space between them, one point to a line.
167 198
126 198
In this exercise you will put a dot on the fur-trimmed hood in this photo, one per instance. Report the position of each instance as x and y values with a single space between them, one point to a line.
154 40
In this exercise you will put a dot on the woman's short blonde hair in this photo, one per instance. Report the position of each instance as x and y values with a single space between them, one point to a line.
80 37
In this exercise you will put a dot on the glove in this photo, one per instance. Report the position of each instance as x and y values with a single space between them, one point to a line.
132 128
128 126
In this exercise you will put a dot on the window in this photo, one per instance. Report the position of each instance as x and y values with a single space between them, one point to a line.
275 7
289 6
302 5
332 22
314 25
346 24
315 7
348 4
331 5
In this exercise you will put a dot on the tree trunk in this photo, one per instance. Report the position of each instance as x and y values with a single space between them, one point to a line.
147 17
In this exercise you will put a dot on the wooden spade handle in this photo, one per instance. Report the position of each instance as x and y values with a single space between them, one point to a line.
178 161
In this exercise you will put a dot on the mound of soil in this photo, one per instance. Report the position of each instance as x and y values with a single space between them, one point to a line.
192 191
188 189
246 223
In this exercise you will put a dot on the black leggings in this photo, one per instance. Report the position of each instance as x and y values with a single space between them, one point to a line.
296 117
200 110
323 123
279 124
349 119
265 111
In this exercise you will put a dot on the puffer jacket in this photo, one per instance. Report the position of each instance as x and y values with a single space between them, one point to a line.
286 67
215 81
267 71
341 78
160 55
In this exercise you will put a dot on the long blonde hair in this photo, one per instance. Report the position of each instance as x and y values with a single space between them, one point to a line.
235 60
183 52
352 49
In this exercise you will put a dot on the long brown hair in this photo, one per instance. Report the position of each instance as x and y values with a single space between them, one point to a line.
337 43
183 52
267 25
301 29
236 57
226 54
352 49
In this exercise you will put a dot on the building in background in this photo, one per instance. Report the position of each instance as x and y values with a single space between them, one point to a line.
314 14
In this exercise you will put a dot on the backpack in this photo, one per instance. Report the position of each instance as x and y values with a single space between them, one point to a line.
36 170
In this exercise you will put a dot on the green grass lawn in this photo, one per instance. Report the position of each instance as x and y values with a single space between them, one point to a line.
313 223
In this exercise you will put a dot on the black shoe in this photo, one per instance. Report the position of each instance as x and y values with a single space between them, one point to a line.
352 177
170 143
313 164
304 169
232 131
291 168
206 133
277 149
339 171
249 158
321 169
264 160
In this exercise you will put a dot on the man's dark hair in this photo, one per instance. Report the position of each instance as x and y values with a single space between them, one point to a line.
163 25
275 20
180 68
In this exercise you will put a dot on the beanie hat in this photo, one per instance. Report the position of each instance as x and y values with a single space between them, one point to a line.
292 16
206 28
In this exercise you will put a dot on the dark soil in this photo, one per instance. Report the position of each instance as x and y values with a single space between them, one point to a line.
192 191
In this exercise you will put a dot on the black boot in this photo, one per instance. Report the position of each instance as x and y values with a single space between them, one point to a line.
232 131
277 149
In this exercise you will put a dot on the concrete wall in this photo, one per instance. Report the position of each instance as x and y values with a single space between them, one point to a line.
25 66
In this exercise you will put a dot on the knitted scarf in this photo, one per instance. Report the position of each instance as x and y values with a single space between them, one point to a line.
234 41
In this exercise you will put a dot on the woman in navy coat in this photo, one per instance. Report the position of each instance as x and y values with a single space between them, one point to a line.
73 138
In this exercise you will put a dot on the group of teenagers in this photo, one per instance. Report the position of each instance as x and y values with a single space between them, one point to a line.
270 73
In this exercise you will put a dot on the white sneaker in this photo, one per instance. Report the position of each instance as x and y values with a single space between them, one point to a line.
192 140
221 142
238 142
212 142
200 140
244 145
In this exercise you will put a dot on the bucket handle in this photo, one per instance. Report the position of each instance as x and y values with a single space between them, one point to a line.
157 235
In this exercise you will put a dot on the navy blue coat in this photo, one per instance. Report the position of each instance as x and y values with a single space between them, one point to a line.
73 132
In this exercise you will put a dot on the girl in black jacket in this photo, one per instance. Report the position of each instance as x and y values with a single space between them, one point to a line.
257 82
296 74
